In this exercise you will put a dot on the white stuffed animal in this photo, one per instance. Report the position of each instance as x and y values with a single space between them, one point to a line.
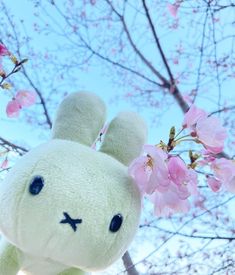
64 207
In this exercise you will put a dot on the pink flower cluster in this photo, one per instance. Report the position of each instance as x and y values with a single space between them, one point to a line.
208 130
21 100
167 180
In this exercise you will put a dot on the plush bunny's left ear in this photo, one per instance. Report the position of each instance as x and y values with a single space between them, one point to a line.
79 118
125 137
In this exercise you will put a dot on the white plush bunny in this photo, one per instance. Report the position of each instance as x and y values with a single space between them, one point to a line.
68 209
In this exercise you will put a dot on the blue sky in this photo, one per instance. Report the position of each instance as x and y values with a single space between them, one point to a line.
93 81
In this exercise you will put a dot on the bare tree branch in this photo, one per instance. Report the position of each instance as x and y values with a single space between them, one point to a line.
7 144
127 261
42 100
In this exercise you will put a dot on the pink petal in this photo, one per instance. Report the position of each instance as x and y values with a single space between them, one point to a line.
214 184
155 152
182 192
168 203
193 115
224 170
230 186
207 155
159 178
211 133
184 179
192 182
160 208
26 98
139 171
4 164
173 9
215 149
13 108
177 170
3 50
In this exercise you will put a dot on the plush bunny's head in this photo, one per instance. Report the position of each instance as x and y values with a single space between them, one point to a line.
69 203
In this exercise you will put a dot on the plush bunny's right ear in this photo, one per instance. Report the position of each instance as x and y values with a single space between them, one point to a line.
125 137
79 118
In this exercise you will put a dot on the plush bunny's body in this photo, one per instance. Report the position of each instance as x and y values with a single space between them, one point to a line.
65 208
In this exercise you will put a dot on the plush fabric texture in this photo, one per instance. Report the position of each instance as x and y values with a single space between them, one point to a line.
60 225
121 140
79 118
9 258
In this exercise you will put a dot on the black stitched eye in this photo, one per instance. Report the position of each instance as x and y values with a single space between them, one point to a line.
36 185
116 223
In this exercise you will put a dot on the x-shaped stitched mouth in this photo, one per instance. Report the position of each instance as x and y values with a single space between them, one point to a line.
72 222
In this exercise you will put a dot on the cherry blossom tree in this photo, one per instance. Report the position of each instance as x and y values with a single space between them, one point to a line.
159 53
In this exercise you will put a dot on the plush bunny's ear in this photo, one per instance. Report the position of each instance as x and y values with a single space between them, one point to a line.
79 118
125 137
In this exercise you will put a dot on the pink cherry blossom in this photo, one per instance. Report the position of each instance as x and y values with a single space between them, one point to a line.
22 99
167 180
182 183
209 130
155 152
13 108
192 116
26 98
192 182
185 178
150 172
173 9
159 178
214 184
4 164
3 50
168 203
140 172
211 133
230 186
177 170
224 171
